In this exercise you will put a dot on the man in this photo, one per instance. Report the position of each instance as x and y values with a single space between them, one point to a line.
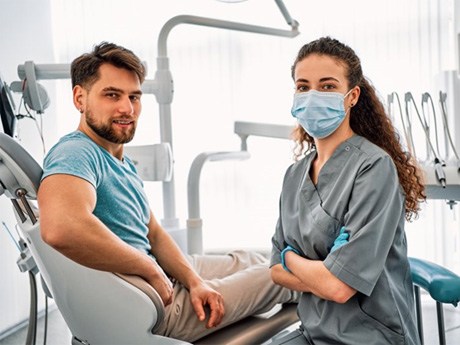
94 210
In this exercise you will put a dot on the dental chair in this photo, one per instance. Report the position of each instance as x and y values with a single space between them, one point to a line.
442 285
102 307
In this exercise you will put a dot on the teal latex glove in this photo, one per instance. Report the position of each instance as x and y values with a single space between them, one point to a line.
341 239
283 253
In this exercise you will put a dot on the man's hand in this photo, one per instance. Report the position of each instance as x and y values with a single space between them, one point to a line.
202 295
161 284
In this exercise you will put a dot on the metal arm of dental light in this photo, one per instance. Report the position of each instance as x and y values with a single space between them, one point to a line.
46 71
245 129
228 25
442 101
439 171
62 71
289 20
219 24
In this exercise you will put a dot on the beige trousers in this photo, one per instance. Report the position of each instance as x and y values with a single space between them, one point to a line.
243 279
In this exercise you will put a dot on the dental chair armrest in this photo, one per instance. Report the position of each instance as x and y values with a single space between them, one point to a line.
442 284
145 287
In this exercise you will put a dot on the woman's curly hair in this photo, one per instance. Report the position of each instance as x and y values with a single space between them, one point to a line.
367 119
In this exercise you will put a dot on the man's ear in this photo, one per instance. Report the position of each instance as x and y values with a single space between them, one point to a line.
79 96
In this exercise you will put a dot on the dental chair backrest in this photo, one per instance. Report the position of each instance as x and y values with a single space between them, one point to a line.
98 307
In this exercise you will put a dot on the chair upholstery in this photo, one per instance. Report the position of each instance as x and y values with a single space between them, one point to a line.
98 307
443 286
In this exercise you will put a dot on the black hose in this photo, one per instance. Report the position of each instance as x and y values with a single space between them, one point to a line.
32 329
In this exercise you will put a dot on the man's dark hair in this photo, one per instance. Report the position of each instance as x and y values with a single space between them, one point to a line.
85 68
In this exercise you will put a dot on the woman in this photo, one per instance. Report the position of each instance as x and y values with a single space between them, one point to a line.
340 235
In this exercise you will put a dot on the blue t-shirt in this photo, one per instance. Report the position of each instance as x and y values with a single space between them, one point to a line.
121 203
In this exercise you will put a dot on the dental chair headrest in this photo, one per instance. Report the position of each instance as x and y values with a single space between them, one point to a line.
17 169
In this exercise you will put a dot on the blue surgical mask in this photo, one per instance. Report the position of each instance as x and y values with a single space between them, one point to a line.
319 113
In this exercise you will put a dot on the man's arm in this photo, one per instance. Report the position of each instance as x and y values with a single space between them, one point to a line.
173 261
67 223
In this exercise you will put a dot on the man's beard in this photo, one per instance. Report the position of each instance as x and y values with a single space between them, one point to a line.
105 130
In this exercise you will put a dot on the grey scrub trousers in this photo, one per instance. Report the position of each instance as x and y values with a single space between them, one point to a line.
357 188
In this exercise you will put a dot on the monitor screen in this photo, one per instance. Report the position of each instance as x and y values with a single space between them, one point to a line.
7 109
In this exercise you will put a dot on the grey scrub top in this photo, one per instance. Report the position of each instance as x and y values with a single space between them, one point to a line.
357 188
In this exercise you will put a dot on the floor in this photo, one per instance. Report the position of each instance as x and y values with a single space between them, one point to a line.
59 334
